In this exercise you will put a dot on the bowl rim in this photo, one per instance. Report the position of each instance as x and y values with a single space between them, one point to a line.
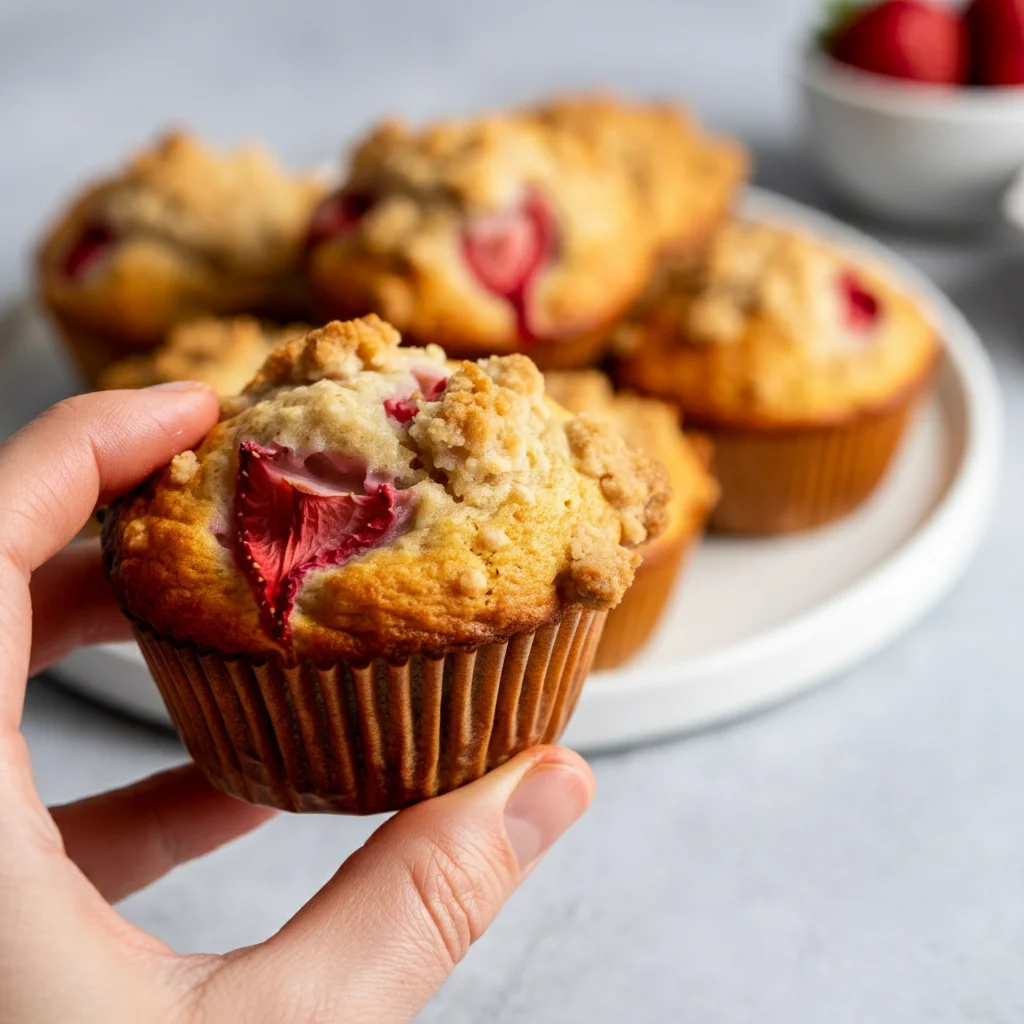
846 84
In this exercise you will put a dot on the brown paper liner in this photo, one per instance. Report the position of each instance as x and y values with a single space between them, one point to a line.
781 481
357 738
631 623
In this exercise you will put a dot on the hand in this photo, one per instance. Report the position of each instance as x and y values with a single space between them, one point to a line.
373 945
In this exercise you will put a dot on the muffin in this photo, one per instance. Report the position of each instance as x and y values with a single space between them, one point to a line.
182 230
493 235
801 361
381 574
224 352
652 427
687 180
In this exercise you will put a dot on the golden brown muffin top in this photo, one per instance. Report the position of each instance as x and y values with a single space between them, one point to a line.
236 208
686 178
776 326
650 426
224 352
360 499
491 234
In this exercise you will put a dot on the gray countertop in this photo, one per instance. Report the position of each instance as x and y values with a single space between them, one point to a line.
857 855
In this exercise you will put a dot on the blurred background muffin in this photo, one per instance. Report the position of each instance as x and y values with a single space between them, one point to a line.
491 235
801 362
181 230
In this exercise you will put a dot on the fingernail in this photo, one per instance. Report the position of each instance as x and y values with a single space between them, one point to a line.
179 385
545 803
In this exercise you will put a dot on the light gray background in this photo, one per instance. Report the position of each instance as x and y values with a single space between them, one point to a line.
854 856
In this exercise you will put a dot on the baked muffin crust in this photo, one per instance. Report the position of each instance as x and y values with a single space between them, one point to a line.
465 505
774 327
489 235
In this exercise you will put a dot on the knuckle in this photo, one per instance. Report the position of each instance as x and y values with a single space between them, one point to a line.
459 888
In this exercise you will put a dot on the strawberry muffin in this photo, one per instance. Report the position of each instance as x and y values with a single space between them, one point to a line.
493 235
382 573
182 230
650 426
224 352
686 180
801 361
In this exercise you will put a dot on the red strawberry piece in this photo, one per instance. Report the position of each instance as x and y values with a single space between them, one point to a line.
910 39
431 380
995 29
861 307
294 515
403 407
507 251
337 214
90 247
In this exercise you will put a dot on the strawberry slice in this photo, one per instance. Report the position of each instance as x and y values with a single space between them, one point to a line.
402 407
507 251
89 248
294 515
861 307
336 215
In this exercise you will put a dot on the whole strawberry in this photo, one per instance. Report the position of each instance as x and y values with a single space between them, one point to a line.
910 39
995 30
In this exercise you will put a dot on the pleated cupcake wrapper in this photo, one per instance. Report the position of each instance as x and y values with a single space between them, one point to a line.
361 738
631 623
779 482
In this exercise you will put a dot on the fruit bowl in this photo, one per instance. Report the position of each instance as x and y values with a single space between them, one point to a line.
919 154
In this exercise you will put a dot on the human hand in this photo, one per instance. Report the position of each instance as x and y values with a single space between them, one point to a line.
372 946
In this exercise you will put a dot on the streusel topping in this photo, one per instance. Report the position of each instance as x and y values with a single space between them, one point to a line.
237 208
356 485
647 426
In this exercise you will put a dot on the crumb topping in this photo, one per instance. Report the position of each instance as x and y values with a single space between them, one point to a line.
755 270
487 503
634 484
599 570
236 207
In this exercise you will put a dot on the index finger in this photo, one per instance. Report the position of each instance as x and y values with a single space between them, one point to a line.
86 450
52 474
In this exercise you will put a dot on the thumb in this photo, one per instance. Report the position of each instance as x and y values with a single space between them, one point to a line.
380 938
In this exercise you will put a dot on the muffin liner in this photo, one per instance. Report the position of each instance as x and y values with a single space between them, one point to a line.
361 738
780 481
634 619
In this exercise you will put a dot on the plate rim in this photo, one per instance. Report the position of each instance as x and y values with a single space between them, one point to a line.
956 523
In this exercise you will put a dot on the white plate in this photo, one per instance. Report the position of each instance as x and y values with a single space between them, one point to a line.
756 621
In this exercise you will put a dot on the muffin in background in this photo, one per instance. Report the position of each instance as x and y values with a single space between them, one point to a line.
687 180
802 362
493 235
382 573
182 230
652 427
224 352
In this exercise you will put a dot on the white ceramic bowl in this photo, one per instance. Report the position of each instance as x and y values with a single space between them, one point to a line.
913 153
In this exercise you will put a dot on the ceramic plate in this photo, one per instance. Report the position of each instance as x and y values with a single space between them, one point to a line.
753 621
